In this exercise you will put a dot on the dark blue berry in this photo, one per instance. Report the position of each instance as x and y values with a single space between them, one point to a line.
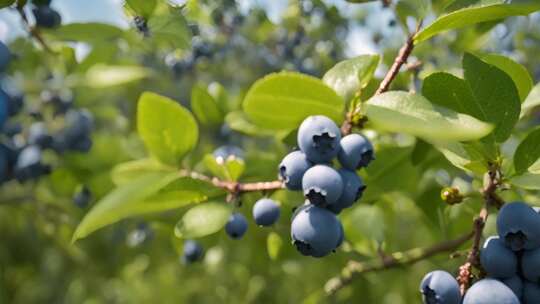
193 251
353 187
318 138
39 136
490 291
237 226
322 185
46 17
315 231
530 265
265 212
355 152
440 287
5 56
292 169
518 226
497 259
531 293
82 198
515 283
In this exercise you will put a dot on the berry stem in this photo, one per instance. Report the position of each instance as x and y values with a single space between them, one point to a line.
399 61
396 259
33 31
235 187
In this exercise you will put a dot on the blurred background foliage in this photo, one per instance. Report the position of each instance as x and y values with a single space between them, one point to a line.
219 48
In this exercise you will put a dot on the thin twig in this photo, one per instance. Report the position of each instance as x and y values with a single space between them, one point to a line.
33 31
235 187
401 59
397 259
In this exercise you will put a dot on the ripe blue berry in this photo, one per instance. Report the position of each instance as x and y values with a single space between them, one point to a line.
237 226
193 251
440 287
515 283
292 169
322 185
4 107
318 138
315 231
355 152
530 265
353 187
265 212
5 56
39 136
490 291
531 293
497 259
4 164
518 225
46 17
28 165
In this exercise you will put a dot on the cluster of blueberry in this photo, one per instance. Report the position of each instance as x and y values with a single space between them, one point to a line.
315 229
511 261
45 16
21 150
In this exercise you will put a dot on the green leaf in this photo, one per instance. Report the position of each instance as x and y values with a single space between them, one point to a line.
170 29
143 8
202 220
238 121
532 101
229 169
528 151
189 183
412 8
103 76
126 172
519 74
350 76
86 32
529 181
283 100
367 221
496 94
413 114
205 107
6 3
129 200
476 14
463 156
385 174
168 130
273 245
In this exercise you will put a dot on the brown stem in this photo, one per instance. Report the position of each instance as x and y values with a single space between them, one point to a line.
235 187
401 59
33 31
397 259
492 181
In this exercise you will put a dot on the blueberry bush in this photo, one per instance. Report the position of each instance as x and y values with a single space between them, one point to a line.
359 151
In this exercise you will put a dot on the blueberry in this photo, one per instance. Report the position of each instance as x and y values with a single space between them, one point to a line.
341 235
237 226
355 152
322 185
225 153
292 169
497 259
39 136
315 231
41 2
515 283
82 198
5 56
193 251
318 138
83 144
4 107
531 293
440 287
490 291
78 123
530 265
46 17
353 187
519 226
15 104
28 165
4 164
265 212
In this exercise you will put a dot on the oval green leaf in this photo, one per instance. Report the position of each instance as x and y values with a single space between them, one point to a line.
86 32
130 200
103 76
126 172
529 181
350 76
413 114
476 14
205 107
203 220
280 101
519 74
528 152
532 101
168 130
